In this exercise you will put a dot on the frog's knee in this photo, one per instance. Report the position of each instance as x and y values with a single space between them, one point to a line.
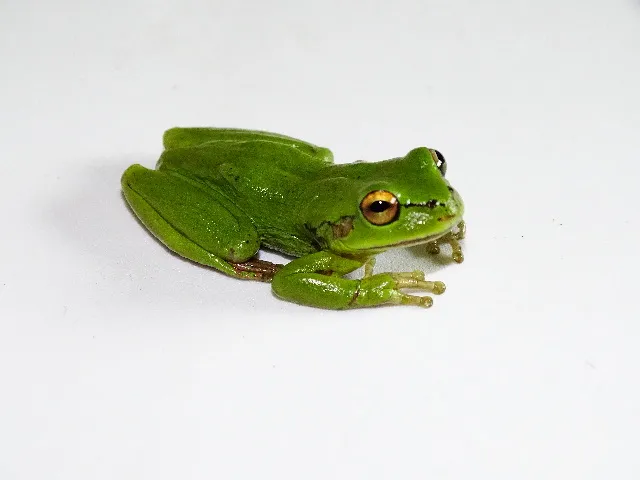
243 248
130 175
180 137
132 181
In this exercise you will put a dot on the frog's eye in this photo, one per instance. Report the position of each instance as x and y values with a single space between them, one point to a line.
441 163
380 207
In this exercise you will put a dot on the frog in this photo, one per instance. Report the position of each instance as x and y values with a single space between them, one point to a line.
217 196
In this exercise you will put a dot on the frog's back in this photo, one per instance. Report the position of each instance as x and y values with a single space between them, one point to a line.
254 158
210 147
262 175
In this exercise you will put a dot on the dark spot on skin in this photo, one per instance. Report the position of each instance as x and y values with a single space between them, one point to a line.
319 241
321 233
355 296
450 189
343 227
310 228
430 204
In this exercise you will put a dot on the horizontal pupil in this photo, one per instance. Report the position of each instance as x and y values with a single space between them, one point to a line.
379 206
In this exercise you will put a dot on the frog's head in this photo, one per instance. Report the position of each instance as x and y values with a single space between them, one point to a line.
394 203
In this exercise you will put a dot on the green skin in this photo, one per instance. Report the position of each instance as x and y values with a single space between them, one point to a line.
218 195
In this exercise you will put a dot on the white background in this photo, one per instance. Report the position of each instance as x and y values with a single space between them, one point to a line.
119 360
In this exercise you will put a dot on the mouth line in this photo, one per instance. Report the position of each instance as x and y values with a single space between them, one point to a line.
410 243
418 241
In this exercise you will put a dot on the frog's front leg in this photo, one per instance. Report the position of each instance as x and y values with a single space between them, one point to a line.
196 222
452 238
317 280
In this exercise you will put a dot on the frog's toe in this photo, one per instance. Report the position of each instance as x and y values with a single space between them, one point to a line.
439 288
451 239
414 281
462 230
415 275
407 281
423 301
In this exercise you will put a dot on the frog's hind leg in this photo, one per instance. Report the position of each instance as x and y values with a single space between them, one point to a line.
196 222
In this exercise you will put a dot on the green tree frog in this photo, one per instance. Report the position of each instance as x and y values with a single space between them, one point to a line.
217 195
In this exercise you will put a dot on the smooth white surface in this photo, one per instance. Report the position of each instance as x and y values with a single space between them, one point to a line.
121 361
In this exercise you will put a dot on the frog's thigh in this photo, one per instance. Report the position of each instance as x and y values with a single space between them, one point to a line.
195 222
